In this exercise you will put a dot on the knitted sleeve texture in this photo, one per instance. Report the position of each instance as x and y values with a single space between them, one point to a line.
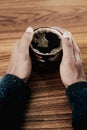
14 94
77 95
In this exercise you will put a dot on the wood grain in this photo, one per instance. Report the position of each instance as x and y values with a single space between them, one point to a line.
48 107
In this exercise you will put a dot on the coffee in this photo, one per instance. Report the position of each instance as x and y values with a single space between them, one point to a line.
45 42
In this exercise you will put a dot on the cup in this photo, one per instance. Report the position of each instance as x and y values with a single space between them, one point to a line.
45 49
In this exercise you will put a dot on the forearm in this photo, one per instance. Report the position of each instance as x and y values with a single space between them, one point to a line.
77 95
14 94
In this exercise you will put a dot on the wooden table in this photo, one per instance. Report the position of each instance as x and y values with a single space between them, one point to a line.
48 107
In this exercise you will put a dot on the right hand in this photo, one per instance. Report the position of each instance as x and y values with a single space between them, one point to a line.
71 68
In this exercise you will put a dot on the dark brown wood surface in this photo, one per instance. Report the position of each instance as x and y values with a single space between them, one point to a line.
48 107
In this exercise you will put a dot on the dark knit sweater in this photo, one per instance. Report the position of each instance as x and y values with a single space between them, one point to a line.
14 94
77 95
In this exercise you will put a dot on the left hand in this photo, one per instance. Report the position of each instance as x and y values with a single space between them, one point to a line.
20 62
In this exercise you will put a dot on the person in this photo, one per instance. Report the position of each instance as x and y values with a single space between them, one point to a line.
13 85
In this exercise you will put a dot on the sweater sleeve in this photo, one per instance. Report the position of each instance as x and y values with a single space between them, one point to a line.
77 95
14 94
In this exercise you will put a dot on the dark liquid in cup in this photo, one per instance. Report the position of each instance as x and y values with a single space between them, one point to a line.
45 42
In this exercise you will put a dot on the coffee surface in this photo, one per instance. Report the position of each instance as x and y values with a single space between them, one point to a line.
45 42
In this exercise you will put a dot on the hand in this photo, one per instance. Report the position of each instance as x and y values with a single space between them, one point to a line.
20 62
71 69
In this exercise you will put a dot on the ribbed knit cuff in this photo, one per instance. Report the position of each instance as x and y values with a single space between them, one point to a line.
13 87
74 90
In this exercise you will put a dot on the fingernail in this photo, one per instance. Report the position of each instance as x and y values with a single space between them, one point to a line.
67 35
29 29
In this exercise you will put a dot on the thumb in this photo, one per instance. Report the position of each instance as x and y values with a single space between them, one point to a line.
67 46
27 37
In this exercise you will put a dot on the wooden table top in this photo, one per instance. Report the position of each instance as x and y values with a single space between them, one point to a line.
48 107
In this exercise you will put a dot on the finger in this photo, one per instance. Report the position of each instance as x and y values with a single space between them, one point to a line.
67 47
27 37
76 50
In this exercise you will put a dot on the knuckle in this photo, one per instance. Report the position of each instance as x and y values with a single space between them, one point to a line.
79 63
69 44
71 62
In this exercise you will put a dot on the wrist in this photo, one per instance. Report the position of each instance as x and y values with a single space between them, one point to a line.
74 82
24 79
